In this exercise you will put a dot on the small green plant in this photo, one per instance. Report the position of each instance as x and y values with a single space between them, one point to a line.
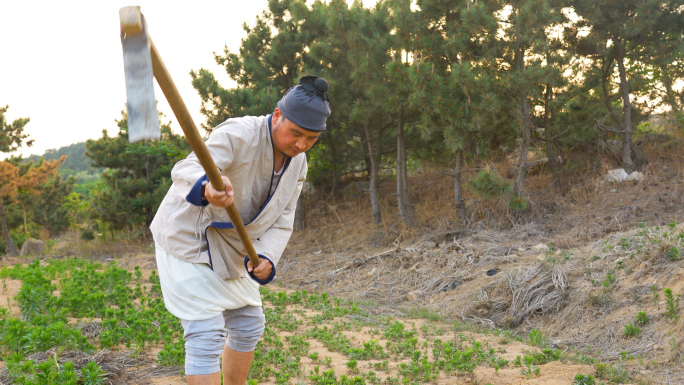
537 339
671 304
353 366
673 254
517 361
488 184
641 318
517 203
655 297
529 371
631 330
609 281
582 379
92 374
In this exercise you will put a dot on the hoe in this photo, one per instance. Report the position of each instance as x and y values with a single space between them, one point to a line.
141 63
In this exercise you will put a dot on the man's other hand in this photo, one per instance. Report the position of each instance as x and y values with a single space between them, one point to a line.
263 271
219 198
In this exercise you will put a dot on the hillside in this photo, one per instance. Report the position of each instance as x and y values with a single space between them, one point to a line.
579 265
77 163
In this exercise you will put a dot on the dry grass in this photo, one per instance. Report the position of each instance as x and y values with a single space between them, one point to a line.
441 265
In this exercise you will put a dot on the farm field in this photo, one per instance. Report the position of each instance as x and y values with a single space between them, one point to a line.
72 321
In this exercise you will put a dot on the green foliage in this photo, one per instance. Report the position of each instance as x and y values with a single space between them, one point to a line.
641 318
136 175
671 304
488 184
537 339
51 208
631 330
582 379
129 315
12 136
77 164
673 254
612 372
528 370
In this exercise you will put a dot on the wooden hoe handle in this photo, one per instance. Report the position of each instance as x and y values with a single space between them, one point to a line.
131 21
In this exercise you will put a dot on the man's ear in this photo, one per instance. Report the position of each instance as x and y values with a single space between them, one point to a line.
277 115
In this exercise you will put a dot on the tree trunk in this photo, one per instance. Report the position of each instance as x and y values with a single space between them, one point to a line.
333 151
627 162
527 120
550 148
458 188
405 209
5 233
400 173
524 147
375 202
23 211
407 201
299 214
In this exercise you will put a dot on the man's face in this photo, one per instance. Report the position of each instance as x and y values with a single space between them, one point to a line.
288 138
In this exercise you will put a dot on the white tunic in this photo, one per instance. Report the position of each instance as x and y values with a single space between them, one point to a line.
192 291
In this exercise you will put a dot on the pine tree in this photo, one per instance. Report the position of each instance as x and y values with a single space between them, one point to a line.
136 175
269 62
616 31
455 78
12 137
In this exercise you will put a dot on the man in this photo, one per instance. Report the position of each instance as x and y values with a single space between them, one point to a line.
206 279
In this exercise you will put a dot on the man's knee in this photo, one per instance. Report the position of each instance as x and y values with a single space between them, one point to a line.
245 327
203 345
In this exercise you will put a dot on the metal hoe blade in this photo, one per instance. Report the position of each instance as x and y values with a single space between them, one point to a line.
143 119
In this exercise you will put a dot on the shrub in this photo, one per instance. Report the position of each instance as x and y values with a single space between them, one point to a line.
582 379
631 330
641 318
87 234
672 304
488 184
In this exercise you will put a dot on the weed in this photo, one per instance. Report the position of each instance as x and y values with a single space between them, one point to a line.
582 379
384 366
641 318
671 304
537 339
529 370
612 372
92 374
631 330
353 366
609 281
655 297
673 254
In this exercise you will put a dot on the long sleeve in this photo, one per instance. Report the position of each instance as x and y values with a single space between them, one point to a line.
222 145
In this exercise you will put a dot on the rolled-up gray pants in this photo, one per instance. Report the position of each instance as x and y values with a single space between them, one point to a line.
204 340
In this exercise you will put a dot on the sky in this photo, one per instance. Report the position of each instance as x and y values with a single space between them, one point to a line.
61 62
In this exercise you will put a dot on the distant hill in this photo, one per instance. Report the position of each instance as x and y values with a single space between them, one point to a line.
76 164
76 158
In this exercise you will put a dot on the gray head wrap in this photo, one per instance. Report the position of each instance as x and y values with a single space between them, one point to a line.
307 105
